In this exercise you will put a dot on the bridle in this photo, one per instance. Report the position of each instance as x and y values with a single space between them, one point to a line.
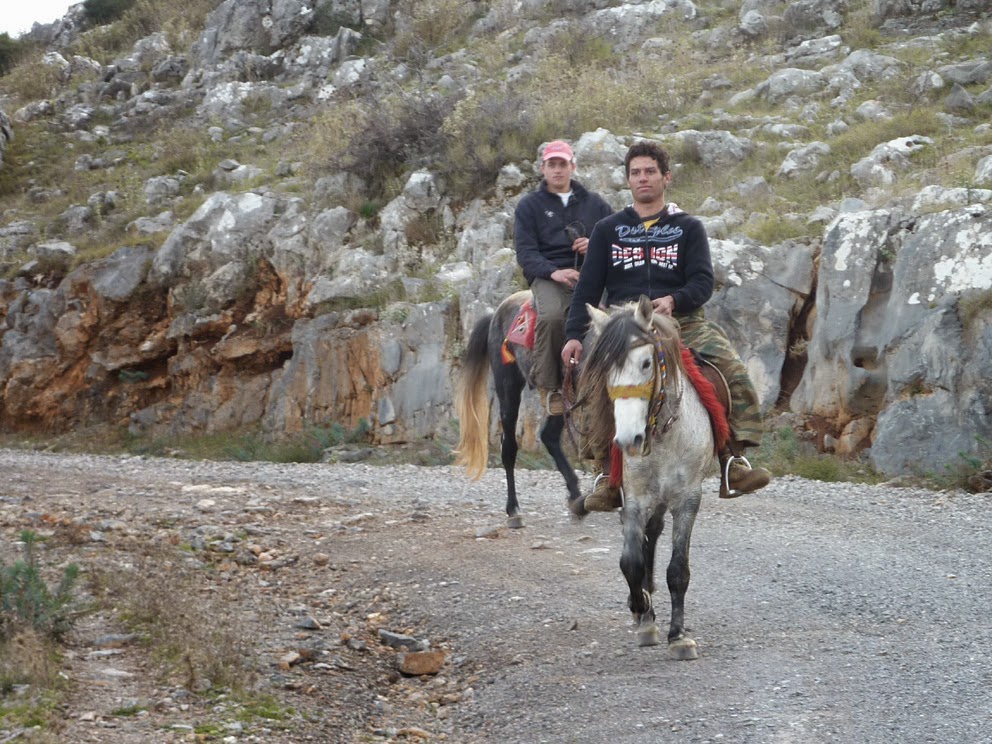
654 391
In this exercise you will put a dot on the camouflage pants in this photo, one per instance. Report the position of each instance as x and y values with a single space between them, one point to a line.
711 343
551 300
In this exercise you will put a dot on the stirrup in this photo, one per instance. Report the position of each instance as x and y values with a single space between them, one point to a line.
725 491
547 402
606 477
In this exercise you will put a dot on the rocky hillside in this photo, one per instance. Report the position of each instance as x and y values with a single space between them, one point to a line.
286 215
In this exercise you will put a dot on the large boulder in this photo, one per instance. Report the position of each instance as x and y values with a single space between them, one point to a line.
902 333
713 149
791 82
760 291
260 26
389 369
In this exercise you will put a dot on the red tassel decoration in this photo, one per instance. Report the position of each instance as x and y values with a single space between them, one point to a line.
616 466
707 394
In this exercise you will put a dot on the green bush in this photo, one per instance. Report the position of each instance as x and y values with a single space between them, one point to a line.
11 52
101 12
26 600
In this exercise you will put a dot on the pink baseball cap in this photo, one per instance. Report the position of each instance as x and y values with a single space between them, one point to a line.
558 149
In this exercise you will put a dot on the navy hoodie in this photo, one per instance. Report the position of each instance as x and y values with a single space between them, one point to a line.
672 257
543 245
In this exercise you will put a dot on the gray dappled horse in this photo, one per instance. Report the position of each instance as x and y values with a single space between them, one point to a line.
634 379
483 355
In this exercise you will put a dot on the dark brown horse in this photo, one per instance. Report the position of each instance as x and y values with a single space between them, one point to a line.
482 356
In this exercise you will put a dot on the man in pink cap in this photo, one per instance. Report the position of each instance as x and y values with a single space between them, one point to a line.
550 228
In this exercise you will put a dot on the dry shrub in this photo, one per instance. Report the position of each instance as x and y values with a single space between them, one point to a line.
324 143
190 631
27 658
630 98
426 25
578 48
974 307
32 80
482 134
399 136
425 229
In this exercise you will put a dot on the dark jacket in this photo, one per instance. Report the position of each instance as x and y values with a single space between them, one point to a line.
543 245
672 257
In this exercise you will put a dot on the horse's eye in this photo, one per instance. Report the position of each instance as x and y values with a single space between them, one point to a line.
646 365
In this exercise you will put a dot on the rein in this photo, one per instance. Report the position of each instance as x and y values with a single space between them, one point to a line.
571 402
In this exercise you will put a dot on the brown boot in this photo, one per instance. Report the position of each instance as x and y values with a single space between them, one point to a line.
737 477
554 403
604 497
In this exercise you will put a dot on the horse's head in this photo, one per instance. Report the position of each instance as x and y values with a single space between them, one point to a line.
630 357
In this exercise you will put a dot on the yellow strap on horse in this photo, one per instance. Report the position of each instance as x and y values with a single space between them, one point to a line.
644 391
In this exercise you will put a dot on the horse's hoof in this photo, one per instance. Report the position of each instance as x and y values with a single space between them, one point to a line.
648 635
515 522
683 649
578 507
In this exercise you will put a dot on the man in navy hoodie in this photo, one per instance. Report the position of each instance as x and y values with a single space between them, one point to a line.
653 248
551 229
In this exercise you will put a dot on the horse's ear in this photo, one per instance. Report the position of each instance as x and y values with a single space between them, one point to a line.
645 311
597 317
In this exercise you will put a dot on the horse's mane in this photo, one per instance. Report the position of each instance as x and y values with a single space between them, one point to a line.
607 349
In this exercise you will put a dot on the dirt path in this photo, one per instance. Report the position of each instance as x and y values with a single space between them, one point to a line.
824 613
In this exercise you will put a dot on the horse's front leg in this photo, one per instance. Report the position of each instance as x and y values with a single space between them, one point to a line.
551 437
680 645
509 408
636 571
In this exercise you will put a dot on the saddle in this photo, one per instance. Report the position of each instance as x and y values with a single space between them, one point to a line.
521 332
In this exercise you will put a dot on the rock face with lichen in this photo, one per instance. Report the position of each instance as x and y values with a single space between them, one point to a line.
280 303
903 332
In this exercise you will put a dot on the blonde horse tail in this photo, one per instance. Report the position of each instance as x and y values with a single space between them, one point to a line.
472 402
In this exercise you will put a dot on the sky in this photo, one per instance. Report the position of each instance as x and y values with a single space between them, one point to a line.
17 16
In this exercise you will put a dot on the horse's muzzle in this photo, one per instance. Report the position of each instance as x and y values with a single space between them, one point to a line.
640 446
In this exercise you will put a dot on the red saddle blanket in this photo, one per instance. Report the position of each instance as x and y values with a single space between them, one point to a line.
708 396
521 332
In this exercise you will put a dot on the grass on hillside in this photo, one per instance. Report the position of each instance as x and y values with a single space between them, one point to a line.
468 139
783 453
40 158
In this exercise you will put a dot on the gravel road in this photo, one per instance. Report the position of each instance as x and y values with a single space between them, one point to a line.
823 612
